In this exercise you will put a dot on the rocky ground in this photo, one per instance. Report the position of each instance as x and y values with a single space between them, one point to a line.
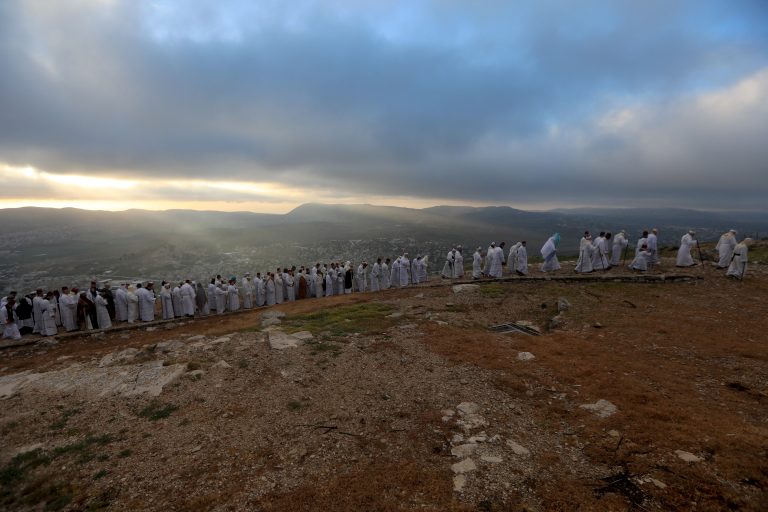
636 396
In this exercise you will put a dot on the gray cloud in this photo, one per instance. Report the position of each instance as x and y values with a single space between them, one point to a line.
459 106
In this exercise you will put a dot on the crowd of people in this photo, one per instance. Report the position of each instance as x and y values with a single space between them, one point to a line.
45 312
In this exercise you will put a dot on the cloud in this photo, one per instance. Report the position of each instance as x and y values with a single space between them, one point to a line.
528 101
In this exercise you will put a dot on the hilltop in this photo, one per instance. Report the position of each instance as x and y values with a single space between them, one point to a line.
643 396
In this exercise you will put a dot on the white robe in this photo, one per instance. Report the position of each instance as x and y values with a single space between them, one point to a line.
684 258
512 258
133 306
221 299
495 259
233 299
270 292
37 314
258 286
415 271
178 308
385 276
247 288
600 254
586 251
68 304
10 329
121 304
375 277
653 247
166 301
330 279
404 264
619 243
549 253
477 265
146 304
48 317
290 286
362 282
521 264
188 295
641 261
725 247
449 269
394 275
422 270
102 313
278 289
458 266
738 266
318 285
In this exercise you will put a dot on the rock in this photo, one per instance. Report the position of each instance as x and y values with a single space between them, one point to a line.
459 288
530 325
614 433
267 322
150 329
602 408
465 466
418 296
280 340
464 381
563 304
463 450
195 373
556 322
195 449
650 480
466 408
28 448
457 438
481 438
118 357
272 314
303 335
492 459
459 481
222 364
441 322
199 337
518 449
396 314
168 346
219 341
449 304
597 325
688 456
525 356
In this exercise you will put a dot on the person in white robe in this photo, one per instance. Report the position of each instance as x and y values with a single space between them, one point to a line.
512 258
220 294
188 305
56 308
258 287
458 265
201 299
687 242
600 252
376 276
361 277
653 246
319 278
48 316
290 286
278 287
725 247
487 266
36 313
642 241
213 307
284 278
102 313
642 259
341 275
330 281
68 305
477 264
737 268
247 287
394 274
9 320
521 259
233 298
146 302
415 269
549 253
405 264
132 304
422 269
270 288
121 303
620 243
586 249
449 271
178 309
166 301
495 261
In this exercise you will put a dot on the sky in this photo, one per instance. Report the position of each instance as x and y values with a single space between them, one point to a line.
265 105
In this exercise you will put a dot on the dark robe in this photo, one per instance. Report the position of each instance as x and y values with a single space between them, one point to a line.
348 280
85 308
302 287
107 294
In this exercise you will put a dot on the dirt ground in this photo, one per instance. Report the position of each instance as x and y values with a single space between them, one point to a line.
405 400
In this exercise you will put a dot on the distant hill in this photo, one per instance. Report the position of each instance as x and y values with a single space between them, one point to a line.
41 244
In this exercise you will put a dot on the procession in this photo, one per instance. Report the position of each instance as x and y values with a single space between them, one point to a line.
100 306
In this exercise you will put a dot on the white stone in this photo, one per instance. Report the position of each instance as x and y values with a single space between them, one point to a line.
525 356
687 456
118 357
219 341
614 433
459 481
196 338
272 314
518 449
267 322
466 408
195 373
602 408
464 450
465 466
396 314
222 364
458 288
280 340
478 439
303 335
491 459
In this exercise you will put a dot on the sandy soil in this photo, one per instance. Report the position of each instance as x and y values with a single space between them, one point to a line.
394 390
